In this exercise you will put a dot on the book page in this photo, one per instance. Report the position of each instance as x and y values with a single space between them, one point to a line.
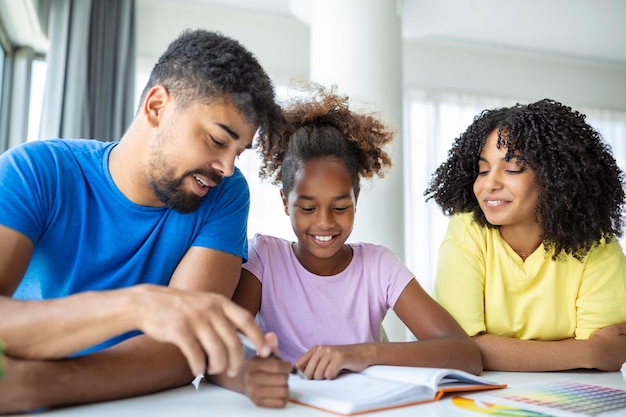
353 392
430 377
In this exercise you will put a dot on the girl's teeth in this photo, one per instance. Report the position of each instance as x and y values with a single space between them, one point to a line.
323 238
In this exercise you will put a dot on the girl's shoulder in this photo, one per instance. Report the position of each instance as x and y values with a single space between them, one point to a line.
263 243
372 252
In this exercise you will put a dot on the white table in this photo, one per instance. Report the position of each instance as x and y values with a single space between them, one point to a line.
210 400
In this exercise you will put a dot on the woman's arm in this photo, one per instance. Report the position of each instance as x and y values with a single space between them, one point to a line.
604 350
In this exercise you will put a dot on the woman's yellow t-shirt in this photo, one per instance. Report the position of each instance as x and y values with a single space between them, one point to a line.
488 288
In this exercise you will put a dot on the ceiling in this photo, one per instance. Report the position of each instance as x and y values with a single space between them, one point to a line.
586 29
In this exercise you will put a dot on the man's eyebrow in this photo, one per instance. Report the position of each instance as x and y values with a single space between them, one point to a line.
228 130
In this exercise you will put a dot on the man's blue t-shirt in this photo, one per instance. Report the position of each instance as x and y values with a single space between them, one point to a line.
88 236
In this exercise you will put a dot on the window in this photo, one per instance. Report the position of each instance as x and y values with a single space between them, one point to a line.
37 82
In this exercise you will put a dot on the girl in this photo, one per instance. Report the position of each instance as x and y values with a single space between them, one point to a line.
325 299
530 265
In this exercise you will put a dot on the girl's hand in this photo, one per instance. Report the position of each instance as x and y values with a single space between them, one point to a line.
327 362
608 347
265 381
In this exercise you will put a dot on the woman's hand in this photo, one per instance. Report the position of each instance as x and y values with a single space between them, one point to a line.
608 347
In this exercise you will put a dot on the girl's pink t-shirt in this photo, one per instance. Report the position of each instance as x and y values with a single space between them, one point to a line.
306 310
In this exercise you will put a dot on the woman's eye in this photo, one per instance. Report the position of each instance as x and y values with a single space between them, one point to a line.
483 173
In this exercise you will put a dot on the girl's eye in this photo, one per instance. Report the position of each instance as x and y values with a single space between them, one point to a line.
340 209
483 173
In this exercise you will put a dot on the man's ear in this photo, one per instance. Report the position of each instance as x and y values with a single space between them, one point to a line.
285 203
155 102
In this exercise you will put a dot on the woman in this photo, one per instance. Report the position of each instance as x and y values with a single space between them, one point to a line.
530 265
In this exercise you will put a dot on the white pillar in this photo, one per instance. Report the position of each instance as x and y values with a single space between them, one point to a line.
356 45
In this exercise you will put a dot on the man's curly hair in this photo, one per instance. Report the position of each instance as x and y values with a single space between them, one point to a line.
581 188
320 124
208 67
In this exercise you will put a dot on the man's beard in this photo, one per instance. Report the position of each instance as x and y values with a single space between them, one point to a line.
171 192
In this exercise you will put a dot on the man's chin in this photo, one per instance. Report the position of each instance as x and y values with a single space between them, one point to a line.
184 205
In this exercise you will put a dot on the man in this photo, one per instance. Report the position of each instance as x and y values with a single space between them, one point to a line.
101 239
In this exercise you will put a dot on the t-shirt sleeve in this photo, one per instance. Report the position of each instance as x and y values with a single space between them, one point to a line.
460 279
226 226
602 294
28 175
397 274
254 265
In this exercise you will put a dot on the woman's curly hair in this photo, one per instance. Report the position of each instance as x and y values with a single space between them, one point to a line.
581 188
320 124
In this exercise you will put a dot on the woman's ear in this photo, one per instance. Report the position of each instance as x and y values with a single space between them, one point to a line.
285 202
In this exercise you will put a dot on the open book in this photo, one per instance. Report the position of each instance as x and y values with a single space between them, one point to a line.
380 387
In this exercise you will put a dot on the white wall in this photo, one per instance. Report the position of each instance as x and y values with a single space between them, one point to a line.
281 44
502 73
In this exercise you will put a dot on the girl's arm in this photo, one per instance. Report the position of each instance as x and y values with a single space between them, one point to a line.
442 343
248 292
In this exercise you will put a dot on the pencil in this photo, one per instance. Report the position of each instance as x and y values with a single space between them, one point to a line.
245 340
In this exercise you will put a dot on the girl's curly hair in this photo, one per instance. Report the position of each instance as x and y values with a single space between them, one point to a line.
321 124
581 188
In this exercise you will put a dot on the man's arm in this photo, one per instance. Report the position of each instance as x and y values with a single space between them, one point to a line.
139 365
604 350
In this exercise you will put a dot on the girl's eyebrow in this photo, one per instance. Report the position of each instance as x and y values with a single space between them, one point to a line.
308 197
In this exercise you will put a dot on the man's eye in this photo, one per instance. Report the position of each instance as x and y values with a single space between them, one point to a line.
307 209
340 209
216 142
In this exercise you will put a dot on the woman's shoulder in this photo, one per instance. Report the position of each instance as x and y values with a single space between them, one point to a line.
462 226
606 250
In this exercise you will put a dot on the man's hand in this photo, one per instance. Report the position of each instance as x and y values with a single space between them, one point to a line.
201 324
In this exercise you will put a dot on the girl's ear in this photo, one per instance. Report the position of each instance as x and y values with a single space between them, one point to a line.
285 205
